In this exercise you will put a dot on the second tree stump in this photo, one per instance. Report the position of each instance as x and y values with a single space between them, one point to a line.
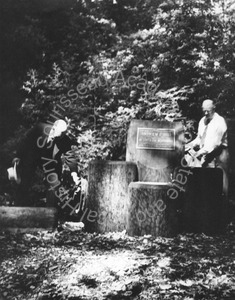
151 210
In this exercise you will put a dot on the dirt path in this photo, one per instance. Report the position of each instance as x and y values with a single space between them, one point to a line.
77 265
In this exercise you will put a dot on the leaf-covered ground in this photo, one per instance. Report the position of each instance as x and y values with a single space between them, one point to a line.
78 265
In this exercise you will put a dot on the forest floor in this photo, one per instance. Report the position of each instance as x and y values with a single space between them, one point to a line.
76 265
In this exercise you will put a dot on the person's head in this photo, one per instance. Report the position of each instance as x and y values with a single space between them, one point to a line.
58 130
208 108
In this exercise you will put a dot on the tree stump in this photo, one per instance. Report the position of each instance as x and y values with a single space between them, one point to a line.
27 218
151 211
107 204
204 210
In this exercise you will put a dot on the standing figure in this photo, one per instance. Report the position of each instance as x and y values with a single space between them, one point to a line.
210 147
48 147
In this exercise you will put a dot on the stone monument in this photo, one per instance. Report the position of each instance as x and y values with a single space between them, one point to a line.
136 195
157 147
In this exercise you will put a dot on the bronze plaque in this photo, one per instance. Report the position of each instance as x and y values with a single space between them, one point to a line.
156 138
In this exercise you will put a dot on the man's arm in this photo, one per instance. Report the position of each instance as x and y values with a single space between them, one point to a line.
65 146
217 137
196 142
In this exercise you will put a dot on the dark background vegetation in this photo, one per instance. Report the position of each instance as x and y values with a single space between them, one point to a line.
181 51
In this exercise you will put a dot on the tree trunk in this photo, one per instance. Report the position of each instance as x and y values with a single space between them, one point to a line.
27 218
151 211
231 149
107 204
204 209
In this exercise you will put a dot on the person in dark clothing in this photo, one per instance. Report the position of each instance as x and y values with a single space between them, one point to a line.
48 147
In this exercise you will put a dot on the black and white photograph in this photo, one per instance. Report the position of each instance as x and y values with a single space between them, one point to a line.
117 149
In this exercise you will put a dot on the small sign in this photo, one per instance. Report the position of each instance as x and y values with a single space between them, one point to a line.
156 138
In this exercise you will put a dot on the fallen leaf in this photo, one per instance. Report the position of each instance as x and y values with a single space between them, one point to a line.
165 286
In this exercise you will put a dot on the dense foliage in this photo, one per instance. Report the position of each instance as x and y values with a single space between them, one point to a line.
102 63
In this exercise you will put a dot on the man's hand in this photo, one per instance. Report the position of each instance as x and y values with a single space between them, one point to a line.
199 154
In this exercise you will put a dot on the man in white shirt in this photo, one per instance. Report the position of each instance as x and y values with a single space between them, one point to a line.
211 143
